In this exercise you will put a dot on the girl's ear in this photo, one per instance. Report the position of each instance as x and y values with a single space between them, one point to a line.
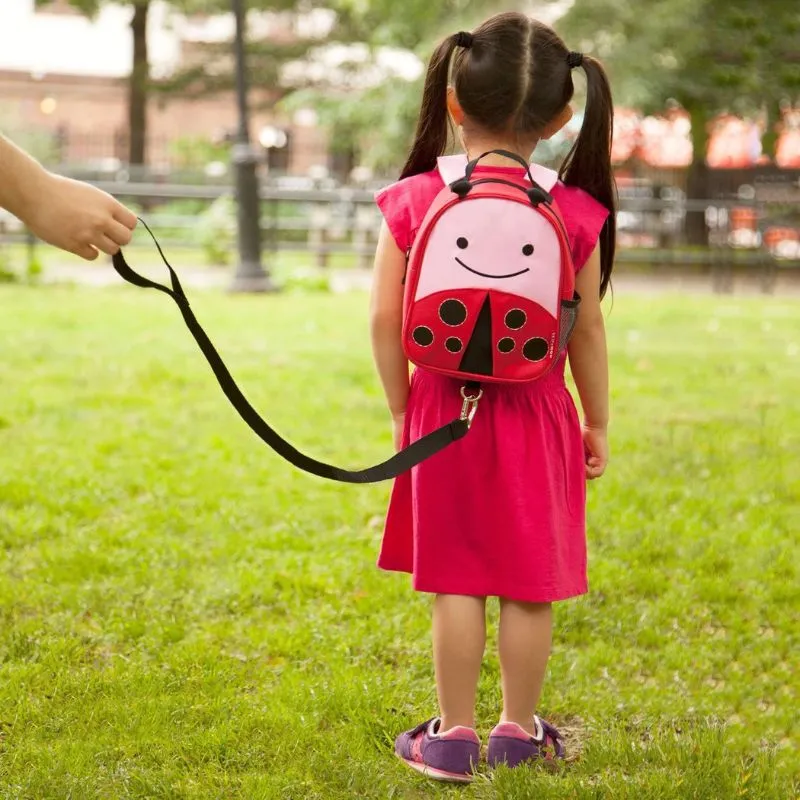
454 107
561 119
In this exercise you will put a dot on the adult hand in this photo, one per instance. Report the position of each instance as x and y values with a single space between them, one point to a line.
79 218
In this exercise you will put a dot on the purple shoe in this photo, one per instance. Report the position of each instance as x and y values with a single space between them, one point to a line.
513 745
445 757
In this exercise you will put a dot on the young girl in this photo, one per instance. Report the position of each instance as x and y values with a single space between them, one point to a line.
502 511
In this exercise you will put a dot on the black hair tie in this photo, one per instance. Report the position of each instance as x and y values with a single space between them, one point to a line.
574 60
464 39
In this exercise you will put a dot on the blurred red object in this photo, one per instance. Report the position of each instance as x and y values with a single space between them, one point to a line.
627 124
787 152
733 143
665 140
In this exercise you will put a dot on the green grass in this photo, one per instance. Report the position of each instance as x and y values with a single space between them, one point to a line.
184 616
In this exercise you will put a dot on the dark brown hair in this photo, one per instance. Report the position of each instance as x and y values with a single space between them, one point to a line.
514 78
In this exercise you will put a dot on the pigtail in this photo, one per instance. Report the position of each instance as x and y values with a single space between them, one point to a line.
588 164
430 140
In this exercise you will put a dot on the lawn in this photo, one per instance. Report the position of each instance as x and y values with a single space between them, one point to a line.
185 616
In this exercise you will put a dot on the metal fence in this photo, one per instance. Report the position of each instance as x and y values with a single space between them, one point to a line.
179 158
757 230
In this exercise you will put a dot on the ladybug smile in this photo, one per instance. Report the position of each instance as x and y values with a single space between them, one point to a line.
484 275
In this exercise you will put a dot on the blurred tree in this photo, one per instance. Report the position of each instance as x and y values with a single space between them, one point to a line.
139 76
376 117
708 55
291 36
364 109
197 79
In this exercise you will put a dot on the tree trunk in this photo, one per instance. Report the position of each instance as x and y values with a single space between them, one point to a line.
697 185
140 75
769 141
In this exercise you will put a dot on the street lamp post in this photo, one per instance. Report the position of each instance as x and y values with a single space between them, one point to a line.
250 276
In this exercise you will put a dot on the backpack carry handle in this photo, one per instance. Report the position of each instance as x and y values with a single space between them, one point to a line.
536 194
506 154
401 462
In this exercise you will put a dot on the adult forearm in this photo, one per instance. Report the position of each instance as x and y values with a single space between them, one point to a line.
66 213
20 180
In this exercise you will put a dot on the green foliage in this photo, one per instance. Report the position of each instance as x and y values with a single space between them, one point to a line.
11 273
34 267
265 60
185 616
7 274
709 55
412 25
216 230
91 7
304 280
88 7
377 121
380 120
265 57
197 151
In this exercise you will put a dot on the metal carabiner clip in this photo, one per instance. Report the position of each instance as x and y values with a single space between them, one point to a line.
470 405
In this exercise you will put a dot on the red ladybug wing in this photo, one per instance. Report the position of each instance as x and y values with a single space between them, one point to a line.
524 336
439 326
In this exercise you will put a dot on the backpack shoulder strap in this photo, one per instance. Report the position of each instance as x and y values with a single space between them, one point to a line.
451 168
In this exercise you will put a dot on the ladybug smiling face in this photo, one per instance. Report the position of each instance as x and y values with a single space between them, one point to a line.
493 244
488 291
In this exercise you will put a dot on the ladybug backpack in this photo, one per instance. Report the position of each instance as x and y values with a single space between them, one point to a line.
489 297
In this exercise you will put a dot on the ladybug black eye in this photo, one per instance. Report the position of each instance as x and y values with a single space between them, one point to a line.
527 250
462 242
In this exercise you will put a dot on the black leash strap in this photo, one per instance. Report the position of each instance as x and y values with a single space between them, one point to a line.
399 463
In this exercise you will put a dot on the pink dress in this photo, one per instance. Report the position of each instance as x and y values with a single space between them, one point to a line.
502 511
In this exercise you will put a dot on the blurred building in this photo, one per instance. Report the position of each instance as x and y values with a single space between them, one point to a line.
63 80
